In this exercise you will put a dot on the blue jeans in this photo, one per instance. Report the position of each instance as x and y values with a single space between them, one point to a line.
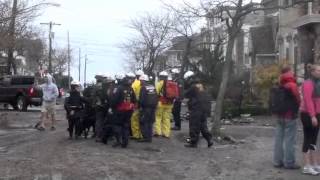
285 141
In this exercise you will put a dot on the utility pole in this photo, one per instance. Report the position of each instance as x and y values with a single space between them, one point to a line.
85 71
12 28
50 43
69 61
79 64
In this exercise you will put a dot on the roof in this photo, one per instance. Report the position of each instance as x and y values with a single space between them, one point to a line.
179 42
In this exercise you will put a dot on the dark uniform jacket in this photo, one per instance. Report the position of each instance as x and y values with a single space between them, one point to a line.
123 96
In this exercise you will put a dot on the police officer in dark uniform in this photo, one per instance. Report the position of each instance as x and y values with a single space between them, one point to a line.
199 108
109 85
122 104
148 102
89 110
100 94
74 105
176 110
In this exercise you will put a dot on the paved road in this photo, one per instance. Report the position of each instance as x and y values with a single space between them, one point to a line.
26 153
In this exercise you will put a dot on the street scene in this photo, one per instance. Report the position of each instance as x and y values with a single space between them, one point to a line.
159 89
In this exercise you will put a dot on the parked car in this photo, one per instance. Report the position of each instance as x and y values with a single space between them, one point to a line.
20 92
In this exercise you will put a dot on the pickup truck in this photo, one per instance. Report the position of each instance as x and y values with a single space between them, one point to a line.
20 92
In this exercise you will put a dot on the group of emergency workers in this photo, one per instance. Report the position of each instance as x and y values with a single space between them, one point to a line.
133 105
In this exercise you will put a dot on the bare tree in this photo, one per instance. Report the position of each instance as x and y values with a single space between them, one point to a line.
15 23
60 61
231 13
136 54
185 26
153 35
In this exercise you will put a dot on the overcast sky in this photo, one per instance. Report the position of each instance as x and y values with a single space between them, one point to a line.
97 27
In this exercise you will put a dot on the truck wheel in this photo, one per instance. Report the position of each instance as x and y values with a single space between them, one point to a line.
21 103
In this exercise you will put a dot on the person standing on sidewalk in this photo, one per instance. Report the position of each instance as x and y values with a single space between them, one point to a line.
310 115
286 128
50 94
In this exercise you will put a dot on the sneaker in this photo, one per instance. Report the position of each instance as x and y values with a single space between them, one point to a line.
309 170
53 128
316 168
41 128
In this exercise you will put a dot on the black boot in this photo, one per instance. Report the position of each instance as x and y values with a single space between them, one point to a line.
144 140
210 143
116 144
176 128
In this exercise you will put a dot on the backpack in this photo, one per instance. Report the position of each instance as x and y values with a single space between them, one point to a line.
126 104
171 90
282 100
151 99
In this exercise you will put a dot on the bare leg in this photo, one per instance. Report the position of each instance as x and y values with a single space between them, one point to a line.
44 116
307 159
53 120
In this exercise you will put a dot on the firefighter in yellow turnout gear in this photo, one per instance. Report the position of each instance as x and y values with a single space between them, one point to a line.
135 118
162 126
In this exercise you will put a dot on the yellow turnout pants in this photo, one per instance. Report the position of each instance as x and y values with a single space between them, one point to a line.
162 126
135 125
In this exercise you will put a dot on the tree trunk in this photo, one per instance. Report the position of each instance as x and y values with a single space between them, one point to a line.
223 87
185 58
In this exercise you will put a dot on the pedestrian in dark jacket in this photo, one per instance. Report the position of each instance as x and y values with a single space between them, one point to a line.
148 102
199 108
286 128
123 106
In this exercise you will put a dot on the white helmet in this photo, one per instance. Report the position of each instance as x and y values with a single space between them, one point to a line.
175 71
130 74
75 83
163 73
139 72
188 74
119 76
144 77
